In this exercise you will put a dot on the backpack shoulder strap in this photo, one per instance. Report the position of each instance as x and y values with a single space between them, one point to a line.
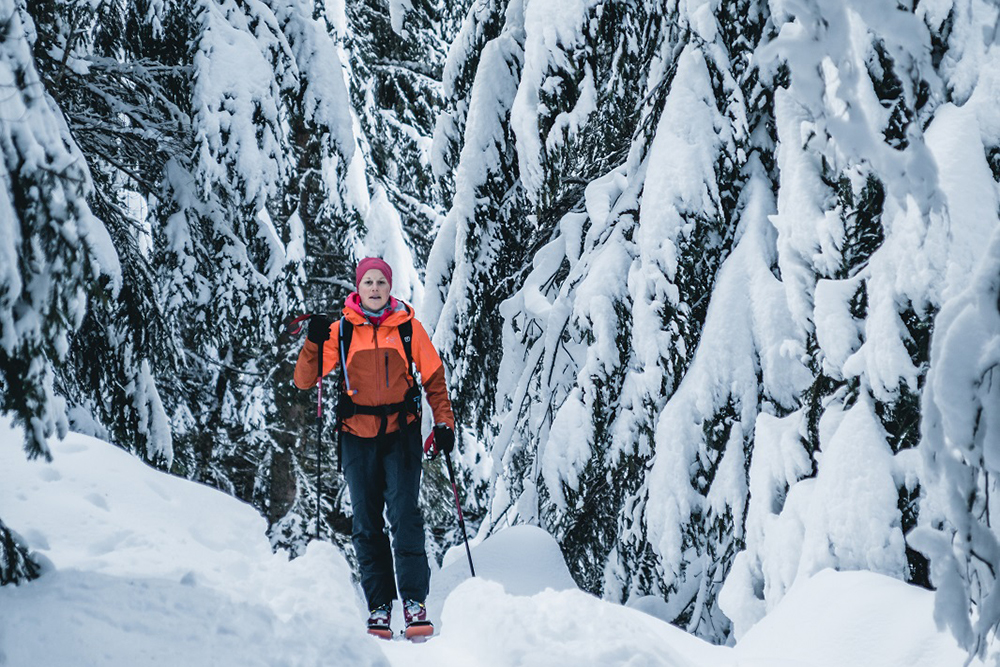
413 396
406 335
346 331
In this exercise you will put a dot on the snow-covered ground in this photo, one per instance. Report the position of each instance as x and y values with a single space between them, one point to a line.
147 569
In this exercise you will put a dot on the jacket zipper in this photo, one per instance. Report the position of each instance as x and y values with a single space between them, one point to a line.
378 394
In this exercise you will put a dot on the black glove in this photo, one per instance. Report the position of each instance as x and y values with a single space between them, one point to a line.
319 329
444 438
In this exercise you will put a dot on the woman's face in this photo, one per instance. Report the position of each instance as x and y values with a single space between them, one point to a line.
373 290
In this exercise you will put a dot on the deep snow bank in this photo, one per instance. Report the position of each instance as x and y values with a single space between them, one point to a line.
145 568
148 569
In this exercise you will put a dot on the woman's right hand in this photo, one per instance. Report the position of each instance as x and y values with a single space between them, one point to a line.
319 329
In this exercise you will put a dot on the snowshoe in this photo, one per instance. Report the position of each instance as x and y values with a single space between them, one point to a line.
418 628
378 621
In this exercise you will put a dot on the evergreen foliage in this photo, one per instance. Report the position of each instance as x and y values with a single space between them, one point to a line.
680 337
123 114
54 249
219 140
54 254
396 88
693 269
957 405
482 240
16 564
580 387
189 165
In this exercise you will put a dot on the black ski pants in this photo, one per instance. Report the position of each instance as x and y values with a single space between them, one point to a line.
383 477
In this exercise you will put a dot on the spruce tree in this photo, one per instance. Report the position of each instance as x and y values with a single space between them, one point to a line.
958 415
55 250
55 255
395 65
779 221
960 420
115 92
482 238
285 211
625 281
853 188
16 564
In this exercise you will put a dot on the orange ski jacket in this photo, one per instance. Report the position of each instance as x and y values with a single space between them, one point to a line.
376 368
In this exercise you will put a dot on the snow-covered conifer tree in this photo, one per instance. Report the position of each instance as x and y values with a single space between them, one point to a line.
608 320
53 254
322 230
101 64
961 421
16 565
959 407
270 111
724 328
122 73
396 54
221 255
54 250
483 238
873 234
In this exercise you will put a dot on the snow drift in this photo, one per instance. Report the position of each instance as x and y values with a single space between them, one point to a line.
143 568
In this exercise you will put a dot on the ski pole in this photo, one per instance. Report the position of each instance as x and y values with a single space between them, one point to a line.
319 415
458 506
319 437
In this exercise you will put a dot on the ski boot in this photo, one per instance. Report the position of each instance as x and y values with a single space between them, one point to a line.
378 621
418 628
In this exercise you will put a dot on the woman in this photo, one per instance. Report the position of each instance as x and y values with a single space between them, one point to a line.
380 447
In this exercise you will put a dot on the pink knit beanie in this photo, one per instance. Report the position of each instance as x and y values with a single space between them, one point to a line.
369 263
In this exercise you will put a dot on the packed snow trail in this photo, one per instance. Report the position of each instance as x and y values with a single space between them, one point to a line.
142 568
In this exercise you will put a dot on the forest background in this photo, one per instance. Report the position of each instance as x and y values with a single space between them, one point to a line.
716 283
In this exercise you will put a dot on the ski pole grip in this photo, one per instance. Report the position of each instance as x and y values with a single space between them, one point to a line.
319 365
